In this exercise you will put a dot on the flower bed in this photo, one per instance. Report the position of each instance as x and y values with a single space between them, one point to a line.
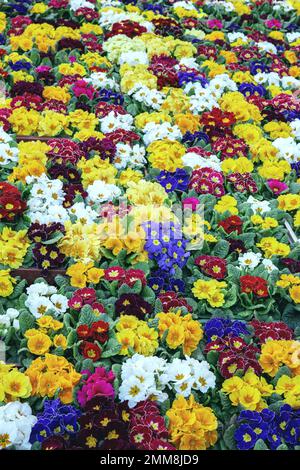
149 225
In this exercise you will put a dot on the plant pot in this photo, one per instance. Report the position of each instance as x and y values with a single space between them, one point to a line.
31 274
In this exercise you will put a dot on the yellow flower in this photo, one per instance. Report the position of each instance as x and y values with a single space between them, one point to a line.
39 343
175 336
94 275
234 384
272 247
126 338
16 384
166 154
294 292
249 397
192 426
289 202
6 283
240 165
227 203
60 341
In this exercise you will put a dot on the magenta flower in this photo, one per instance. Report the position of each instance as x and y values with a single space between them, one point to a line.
190 203
277 186
97 384
214 24
273 23
82 88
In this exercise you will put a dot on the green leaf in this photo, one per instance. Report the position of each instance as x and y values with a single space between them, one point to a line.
86 316
291 316
212 357
284 370
112 348
27 321
260 445
282 447
221 249
229 437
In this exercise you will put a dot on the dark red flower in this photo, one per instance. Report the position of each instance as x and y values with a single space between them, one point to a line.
232 224
83 331
91 351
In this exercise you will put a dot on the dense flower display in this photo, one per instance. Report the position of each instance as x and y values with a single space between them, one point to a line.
150 225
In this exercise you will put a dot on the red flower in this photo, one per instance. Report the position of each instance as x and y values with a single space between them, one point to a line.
255 285
76 302
171 299
133 275
99 331
98 308
140 436
87 294
11 203
83 331
232 224
115 273
91 351
212 266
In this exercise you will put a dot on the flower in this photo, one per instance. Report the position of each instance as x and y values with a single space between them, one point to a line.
39 343
203 434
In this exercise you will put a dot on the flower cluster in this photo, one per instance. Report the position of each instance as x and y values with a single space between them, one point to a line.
273 428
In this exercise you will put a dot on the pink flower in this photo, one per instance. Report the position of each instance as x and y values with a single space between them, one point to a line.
43 68
75 302
214 24
273 23
72 59
97 384
82 88
277 186
190 203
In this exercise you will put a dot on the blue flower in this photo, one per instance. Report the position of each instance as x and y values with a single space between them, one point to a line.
40 431
196 137
156 283
292 432
245 437
274 439
258 67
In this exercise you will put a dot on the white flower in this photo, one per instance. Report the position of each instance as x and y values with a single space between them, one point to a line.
288 148
8 434
134 58
258 207
133 390
271 78
295 126
4 321
292 37
100 191
147 96
4 137
153 131
16 423
8 154
76 4
249 260
101 80
111 122
267 47
289 82
236 35
39 306
12 313
40 288
270 267
84 214
194 160
60 303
